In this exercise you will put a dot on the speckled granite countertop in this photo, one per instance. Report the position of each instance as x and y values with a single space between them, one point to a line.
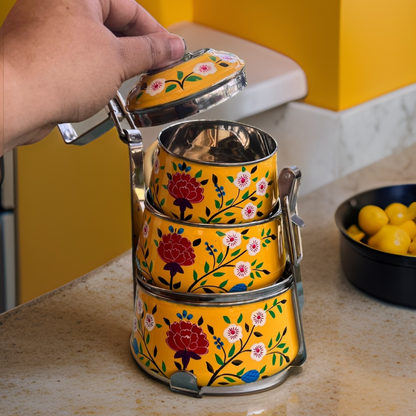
67 353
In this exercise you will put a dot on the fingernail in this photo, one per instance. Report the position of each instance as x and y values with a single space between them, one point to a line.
177 47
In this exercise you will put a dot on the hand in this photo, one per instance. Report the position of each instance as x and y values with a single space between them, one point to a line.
65 59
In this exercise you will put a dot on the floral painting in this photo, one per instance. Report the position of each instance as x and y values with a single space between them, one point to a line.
214 61
233 260
215 201
219 348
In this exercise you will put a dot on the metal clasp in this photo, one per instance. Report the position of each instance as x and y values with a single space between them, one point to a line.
289 182
114 114
186 383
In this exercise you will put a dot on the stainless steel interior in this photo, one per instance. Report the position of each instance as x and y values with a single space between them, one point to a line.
217 142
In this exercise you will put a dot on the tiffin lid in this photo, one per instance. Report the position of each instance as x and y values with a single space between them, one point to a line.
201 80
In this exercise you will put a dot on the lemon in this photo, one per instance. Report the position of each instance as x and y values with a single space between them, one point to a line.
355 233
412 211
397 213
412 247
371 219
391 239
410 228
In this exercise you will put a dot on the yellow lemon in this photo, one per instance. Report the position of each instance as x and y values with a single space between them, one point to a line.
371 219
410 228
355 233
391 239
412 211
412 247
397 213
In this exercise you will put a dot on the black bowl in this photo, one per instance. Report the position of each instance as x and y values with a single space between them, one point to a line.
389 277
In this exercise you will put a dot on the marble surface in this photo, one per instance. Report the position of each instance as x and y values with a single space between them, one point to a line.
328 144
67 353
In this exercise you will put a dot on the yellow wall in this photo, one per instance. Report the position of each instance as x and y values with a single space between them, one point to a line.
351 50
73 210
169 11
306 31
377 48
5 7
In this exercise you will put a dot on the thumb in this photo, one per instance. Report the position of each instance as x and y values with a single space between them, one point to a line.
152 51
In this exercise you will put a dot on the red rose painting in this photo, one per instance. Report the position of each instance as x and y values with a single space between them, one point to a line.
186 190
176 251
188 340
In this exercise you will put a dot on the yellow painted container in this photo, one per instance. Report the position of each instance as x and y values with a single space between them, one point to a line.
214 171
202 71
218 343
176 92
197 258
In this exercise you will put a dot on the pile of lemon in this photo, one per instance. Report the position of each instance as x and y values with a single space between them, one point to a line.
392 229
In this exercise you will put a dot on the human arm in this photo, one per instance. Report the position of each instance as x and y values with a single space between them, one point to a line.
63 60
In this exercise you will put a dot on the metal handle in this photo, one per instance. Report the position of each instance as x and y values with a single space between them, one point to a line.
112 115
289 182
87 131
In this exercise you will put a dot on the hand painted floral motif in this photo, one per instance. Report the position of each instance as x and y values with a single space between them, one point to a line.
143 325
242 181
232 239
135 325
156 86
218 342
249 211
251 376
226 56
226 206
176 251
186 190
223 260
242 269
181 81
156 165
233 333
205 68
145 229
149 321
258 317
188 340
253 246
139 306
238 347
227 260
258 351
261 187
228 362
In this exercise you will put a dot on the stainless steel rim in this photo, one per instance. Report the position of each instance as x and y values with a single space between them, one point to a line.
215 124
276 214
218 299
191 105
